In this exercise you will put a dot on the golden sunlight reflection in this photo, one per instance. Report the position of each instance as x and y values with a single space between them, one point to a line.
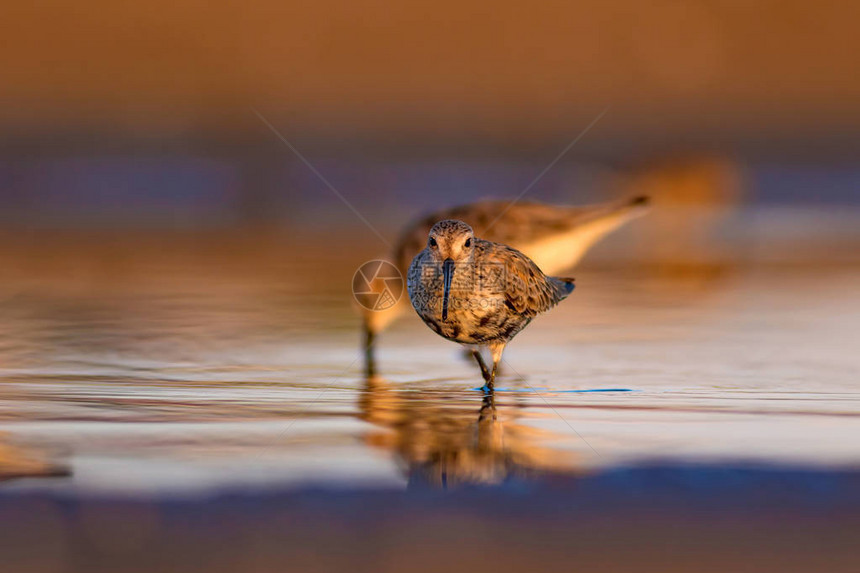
229 361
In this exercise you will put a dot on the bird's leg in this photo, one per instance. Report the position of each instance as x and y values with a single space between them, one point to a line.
480 360
489 384
369 355
497 350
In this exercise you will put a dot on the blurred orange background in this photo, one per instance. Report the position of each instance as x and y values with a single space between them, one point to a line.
502 70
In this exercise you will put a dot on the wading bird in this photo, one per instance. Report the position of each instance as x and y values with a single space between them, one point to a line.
477 292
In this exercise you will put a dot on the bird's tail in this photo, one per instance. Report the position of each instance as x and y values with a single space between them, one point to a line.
615 213
639 201
564 286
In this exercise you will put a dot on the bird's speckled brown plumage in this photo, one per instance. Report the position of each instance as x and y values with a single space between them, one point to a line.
495 290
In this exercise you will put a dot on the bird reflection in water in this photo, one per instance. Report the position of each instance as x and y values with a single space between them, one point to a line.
448 440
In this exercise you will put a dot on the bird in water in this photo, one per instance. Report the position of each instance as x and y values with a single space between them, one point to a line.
477 292
556 237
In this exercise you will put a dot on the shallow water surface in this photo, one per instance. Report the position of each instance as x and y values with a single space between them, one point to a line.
144 369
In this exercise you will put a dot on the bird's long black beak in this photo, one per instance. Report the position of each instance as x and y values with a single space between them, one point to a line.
447 275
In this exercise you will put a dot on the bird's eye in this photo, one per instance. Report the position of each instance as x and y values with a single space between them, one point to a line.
468 243
432 242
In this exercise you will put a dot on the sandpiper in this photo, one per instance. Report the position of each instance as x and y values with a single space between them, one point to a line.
556 237
477 292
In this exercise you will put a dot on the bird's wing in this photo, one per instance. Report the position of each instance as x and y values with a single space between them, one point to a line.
526 222
527 290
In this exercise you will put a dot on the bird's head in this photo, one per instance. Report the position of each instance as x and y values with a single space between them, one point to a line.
451 240
450 243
